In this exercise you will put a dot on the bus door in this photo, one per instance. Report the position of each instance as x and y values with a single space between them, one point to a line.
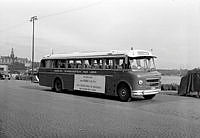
110 79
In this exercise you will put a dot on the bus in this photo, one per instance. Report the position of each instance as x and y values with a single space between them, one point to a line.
125 74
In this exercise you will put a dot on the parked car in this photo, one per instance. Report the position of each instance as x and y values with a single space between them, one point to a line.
1 76
5 76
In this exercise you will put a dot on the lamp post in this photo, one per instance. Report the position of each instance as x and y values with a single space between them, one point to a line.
33 20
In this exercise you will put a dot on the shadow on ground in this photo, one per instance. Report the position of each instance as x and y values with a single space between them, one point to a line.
79 93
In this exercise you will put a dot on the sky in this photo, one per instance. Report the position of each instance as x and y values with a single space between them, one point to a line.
170 27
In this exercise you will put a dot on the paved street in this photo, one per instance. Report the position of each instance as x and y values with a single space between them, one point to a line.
29 110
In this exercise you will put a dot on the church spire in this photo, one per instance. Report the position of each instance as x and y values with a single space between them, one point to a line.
12 54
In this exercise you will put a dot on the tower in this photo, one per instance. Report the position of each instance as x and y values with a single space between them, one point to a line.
12 56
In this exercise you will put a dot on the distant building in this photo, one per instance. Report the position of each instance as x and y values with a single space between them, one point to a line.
15 63
8 60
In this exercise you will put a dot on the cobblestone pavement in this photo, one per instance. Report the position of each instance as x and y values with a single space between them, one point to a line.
29 110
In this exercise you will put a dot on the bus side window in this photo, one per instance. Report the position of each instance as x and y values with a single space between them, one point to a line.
48 64
62 63
118 64
90 63
96 63
84 64
110 64
71 63
58 63
78 64
42 64
107 64
103 63
100 63
67 64
55 63
122 64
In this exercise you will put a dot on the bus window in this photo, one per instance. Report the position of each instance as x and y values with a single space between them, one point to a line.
118 63
96 63
133 64
71 64
90 63
55 65
42 63
61 63
78 64
67 64
48 64
86 63
123 64
142 63
109 64
100 63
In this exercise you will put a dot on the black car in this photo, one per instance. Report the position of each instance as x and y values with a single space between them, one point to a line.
1 77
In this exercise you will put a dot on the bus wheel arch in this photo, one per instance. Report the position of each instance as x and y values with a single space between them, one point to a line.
57 85
124 91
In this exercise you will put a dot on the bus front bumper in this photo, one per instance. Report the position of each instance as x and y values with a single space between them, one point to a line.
144 92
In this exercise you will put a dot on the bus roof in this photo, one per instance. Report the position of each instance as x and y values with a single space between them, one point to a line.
113 53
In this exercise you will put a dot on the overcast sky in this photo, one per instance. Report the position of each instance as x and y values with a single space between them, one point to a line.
170 27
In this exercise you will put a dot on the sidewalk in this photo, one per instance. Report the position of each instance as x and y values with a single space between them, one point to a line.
175 93
169 92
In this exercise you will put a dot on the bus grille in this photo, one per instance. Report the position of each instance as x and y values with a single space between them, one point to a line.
153 82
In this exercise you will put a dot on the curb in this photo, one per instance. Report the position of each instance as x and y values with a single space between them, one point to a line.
169 93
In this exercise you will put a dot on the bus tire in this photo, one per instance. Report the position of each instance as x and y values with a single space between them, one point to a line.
149 96
58 85
124 93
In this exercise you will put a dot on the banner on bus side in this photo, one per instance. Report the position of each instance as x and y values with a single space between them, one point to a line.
92 83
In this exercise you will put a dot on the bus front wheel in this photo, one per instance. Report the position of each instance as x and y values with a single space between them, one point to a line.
58 85
149 96
124 93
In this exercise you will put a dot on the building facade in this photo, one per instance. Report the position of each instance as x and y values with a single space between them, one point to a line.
15 64
8 60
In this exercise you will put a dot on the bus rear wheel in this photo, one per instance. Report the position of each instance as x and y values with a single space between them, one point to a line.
58 85
124 93
149 96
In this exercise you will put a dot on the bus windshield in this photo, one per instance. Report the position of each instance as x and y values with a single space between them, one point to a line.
142 63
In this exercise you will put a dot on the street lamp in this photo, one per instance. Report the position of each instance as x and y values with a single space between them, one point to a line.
33 20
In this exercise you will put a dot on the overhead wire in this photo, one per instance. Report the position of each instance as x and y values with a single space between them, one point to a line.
73 9
50 15
18 25
12 27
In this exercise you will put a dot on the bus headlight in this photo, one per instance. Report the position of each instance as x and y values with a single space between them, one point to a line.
140 82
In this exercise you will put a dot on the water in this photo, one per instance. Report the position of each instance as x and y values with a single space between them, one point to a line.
170 79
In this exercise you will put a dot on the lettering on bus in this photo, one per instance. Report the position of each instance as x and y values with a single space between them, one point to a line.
74 71
94 83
